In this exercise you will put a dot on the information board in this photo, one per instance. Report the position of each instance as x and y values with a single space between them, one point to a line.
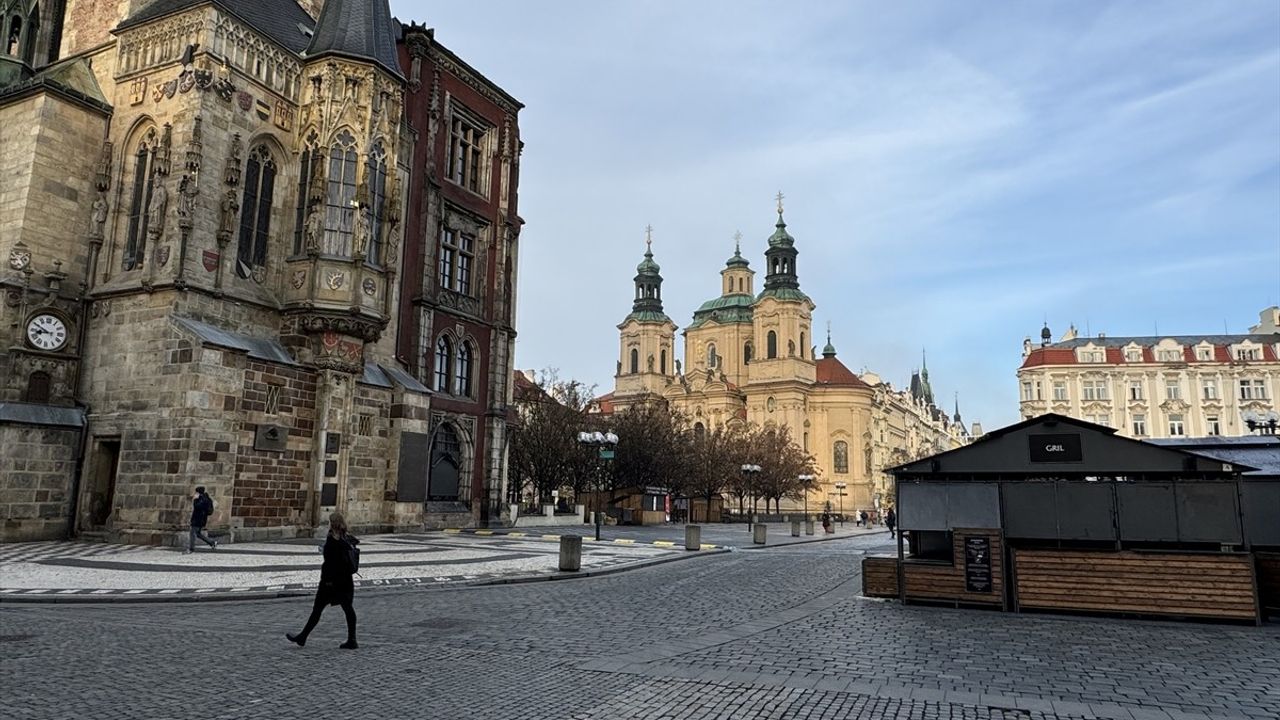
977 564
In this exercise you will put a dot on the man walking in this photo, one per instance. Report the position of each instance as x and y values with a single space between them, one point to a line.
201 509
890 520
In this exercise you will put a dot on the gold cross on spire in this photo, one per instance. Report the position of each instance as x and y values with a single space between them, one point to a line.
737 242
648 238
780 197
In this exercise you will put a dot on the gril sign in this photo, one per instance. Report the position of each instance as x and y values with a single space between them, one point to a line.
1058 448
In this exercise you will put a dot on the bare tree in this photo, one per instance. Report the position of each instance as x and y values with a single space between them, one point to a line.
544 452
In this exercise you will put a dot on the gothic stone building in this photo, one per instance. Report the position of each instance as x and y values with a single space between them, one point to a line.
212 234
748 358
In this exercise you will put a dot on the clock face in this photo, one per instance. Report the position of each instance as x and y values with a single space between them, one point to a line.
47 332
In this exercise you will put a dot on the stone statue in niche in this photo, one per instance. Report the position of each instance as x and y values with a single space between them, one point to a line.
314 228
677 367
227 219
650 363
186 200
155 211
98 217
362 232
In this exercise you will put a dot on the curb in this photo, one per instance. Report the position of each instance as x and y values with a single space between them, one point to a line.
585 538
814 540
583 574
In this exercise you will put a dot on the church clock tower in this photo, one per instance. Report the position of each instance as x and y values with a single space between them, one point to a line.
782 315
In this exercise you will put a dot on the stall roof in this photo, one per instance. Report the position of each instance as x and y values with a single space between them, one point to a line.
1055 445
1260 451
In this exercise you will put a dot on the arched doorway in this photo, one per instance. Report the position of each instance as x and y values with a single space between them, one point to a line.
446 466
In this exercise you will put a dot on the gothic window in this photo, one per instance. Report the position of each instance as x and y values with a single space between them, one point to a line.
463 369
255 210
746 352
447 444
772 344
841 459
444 361
308 163
635 361
143 182
37 388
713 360
466 152
457 258
376 177
662 365
341 195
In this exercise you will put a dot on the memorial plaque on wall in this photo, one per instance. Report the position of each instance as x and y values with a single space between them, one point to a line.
977 564
332 443
271 438
329 494
1055 448
331 468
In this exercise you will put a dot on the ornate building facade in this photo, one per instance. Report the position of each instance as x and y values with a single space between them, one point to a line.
210 216
749 357
1158 387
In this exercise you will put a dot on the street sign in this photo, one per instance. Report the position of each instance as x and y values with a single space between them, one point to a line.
606 453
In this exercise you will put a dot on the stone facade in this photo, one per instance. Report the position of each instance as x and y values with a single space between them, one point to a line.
1159 387
748 357
210 218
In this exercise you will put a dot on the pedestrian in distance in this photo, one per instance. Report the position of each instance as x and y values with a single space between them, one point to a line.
341 562
862 514
201 509
890 521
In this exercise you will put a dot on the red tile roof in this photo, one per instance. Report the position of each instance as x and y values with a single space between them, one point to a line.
1049 356
833 372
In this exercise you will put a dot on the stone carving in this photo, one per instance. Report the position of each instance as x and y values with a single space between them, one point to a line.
19 256
227 217
155 211
231 173
650 363
314 229
98 217
186 201
458 301
362 232
102 171
210 260
335 279
162 256
299 277
677 367
370 287
364 328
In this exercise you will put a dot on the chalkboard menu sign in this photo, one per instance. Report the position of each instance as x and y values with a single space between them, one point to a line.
977 564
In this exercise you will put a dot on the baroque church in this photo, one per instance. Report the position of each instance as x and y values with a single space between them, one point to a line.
264 246
749 358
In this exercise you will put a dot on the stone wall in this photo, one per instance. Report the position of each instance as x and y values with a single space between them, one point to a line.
271 487
37 465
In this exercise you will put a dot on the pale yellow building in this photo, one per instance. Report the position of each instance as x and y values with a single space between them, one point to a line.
749 356
1158 387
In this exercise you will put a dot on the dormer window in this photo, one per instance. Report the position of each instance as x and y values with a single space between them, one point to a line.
1204 353
1092 355
1133 355
1248 353
1169 355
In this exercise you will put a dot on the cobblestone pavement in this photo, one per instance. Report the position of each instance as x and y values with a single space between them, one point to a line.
777 633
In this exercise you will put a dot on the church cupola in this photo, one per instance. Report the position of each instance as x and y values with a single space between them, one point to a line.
780 259
648 281
737 273
829 350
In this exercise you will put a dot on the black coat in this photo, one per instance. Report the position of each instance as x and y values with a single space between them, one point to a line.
336 586
201 509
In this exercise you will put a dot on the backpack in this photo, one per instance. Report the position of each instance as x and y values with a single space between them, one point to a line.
353 553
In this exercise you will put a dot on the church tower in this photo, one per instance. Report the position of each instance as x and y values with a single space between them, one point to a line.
782 315
719 340
646 351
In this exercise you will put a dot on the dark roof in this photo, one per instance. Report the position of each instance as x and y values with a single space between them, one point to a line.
20 413
260 348
277 19
361 29
1260 451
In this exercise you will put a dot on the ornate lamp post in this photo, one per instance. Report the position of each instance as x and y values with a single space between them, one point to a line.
749 472
605 443
805 480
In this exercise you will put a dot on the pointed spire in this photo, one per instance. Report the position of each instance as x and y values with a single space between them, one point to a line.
829 351
648 266
956 417
737 259
359 29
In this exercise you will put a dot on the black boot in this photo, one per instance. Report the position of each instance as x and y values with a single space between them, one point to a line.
350 644
300 640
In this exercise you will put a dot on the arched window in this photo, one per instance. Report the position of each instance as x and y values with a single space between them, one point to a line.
376 177
463 370
712 359
37 387
308 164
635 361
143 182
444 361
662 364
255 210
699 431
801 344
740 285
841 457
746 352
341 195
772 348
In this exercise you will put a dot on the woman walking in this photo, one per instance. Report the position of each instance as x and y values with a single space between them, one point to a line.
336 586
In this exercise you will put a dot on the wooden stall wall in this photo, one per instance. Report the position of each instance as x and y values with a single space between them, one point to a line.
1204 585
939 582
880 576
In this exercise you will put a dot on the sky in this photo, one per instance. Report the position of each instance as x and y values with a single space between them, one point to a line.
956 174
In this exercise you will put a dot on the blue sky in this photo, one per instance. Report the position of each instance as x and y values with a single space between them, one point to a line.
955 173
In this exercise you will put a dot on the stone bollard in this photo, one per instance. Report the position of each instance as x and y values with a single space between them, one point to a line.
581 510
548 510
808 527
795 528
570 553
758 533
692 537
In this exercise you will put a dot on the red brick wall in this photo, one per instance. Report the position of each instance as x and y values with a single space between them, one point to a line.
271 487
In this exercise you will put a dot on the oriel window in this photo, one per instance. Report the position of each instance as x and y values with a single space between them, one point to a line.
376 176
255 209
341 195
308 164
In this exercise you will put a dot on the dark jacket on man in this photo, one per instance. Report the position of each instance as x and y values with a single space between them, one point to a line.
201 509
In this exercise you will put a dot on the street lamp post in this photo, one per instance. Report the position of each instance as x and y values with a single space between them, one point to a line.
804 483
748 472
840 486
605 444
